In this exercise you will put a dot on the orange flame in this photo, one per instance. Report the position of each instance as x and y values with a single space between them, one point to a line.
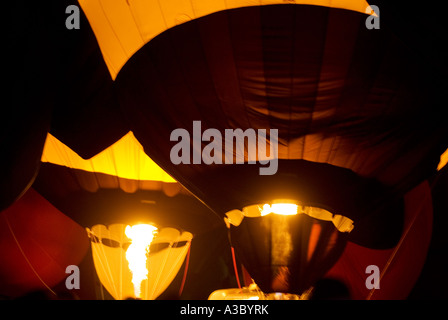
286 209
141 236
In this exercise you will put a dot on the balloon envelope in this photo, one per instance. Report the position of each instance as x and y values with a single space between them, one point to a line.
338 94
287 253
38 242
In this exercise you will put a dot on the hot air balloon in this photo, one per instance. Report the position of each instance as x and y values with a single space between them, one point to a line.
119 187
37 242
346 102
121 184
286 247
357 112
398 267
166 254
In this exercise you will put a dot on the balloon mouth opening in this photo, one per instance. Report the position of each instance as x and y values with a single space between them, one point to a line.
287 208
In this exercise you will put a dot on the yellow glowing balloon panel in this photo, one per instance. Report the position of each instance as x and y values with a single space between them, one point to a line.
122 27
125 159
443 160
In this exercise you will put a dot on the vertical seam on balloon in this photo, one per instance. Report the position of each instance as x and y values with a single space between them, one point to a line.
401 142
193 9
163 16
235 267
181 289
393 254
114 163
357 112
178 258
159 274
236 69
323 134
291 84
310 120
113 30
105 265
336 139
210 73
329 11
135 22
261 8
99 259
171 36
24 255
122 254
100 255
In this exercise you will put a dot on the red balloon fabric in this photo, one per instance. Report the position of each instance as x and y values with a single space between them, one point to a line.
399 267
37 243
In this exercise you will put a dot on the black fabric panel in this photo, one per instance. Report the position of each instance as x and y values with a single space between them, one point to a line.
367 126
27 96
86 116
337 92
56 80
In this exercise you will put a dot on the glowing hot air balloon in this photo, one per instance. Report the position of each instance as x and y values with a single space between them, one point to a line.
344 100
359 115
286 247
138 261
